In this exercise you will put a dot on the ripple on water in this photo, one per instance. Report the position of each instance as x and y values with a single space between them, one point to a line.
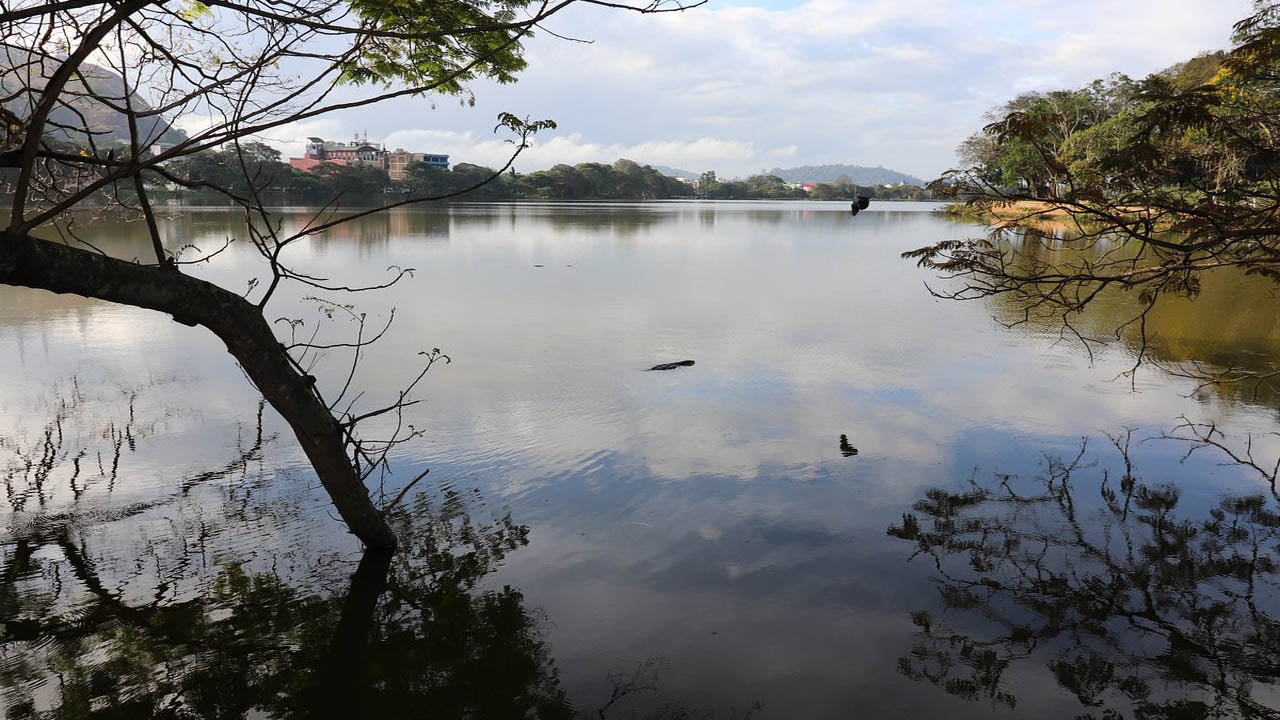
660 504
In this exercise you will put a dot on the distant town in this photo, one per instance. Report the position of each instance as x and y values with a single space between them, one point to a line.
362 152
362 167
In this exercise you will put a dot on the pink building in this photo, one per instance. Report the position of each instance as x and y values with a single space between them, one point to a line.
361 152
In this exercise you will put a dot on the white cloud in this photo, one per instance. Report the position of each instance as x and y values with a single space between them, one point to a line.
572 149
869 82
193 124
292 138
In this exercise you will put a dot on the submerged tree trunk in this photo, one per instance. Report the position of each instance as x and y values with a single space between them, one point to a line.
341 685
31 262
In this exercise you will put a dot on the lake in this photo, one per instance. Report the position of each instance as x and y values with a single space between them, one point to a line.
860 501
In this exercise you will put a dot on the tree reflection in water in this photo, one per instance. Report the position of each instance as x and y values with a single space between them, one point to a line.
410 635
1137 608
414 635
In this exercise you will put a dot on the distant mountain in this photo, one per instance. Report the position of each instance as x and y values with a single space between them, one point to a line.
675 172
85 97
857 174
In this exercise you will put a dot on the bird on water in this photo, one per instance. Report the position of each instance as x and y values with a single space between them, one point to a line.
847 449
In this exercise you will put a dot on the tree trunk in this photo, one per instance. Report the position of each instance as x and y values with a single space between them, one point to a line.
31 262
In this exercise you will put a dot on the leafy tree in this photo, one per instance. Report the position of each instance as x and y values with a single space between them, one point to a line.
600 180
352 179
624 180
1197 71
708 184
832 191
256 166
769 186
426 179
1185 176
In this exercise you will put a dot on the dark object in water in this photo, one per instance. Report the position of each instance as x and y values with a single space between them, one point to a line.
846 449
859 204
672 365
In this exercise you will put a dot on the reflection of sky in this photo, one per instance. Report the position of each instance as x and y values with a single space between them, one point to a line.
780 589
804 325
704 514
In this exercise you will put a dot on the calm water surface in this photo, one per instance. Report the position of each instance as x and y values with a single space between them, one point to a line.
597 540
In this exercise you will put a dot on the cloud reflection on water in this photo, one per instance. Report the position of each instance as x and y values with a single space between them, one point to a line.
666 507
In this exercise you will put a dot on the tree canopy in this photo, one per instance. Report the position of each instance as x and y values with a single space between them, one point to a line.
1151 184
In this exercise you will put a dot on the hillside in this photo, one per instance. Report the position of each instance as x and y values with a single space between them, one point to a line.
67 123
858 174
675 172
1197 71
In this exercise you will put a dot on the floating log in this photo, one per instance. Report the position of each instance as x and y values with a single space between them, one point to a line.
672 365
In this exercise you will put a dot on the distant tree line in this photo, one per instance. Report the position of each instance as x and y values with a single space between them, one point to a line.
1040 142
623 180
772 187
259 167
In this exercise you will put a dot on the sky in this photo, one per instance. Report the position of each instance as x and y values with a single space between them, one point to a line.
743 86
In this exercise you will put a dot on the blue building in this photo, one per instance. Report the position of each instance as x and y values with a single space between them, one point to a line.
397 163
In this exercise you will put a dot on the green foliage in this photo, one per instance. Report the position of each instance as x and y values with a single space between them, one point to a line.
354 179
472 40
194 10
253 166
624 180
1189 127
1021 148
1184 164
1200 70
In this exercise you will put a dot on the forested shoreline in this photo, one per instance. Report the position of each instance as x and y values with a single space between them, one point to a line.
1176 173
623 180
1044 146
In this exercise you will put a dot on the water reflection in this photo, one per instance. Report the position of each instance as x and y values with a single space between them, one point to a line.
1136 604
710 518
411 635
372 237
408 632
183 624
89 628
53 469
1230 323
